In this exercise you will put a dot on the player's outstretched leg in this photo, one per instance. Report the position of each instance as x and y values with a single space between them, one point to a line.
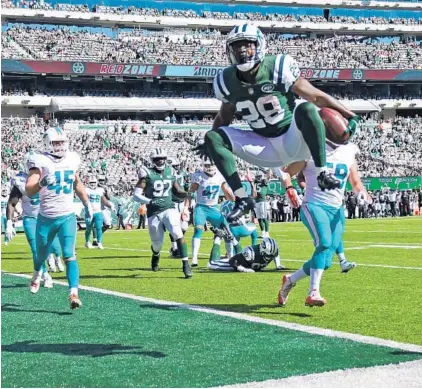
345 265
183 250
196 244
155 259
312 128
89 227
98 221
174 252
57 253
220 150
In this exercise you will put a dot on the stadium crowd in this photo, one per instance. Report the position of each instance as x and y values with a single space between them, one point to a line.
117 148
189 47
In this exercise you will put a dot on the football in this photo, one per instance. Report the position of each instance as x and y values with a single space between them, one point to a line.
335 125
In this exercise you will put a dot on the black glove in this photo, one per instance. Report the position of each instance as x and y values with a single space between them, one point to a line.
202 152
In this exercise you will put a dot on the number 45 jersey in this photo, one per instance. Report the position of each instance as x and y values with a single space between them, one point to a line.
209 188
57 199
158 188
339 163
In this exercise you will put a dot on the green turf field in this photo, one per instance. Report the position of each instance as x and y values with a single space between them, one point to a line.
380 298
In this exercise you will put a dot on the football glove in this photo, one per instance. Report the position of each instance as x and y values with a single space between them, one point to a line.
202 152
245 269
10 231
353 125
293 197
48 179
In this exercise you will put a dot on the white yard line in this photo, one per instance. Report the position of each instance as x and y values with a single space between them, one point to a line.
241 316
402 375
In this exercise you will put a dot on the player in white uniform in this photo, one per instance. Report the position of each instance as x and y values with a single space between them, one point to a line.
4 199
207 185
30 209
53 174
322 213
97 199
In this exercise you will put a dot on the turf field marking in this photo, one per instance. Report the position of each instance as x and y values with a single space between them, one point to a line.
254 319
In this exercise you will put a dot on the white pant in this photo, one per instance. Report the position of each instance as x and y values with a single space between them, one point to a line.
261 210
170 219
107 217
268 152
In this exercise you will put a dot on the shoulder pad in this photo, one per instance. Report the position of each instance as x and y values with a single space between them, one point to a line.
220 89
36 160
143 172
249 253
286 71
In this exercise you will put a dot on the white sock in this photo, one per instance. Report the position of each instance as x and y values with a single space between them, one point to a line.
277 261
341 257
316 275
174 245
196 244
241 192
74 291
229 248
217 240
318 170
298 275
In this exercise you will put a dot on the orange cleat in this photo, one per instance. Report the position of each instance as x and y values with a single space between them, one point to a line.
286 287
315 299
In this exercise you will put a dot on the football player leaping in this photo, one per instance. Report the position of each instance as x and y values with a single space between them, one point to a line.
98 200
262 90
53 174
154 189
322 214
207 185
30 209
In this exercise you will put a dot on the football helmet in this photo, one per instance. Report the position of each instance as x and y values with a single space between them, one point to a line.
102 180
158 159
92 182
268 248
56 142
175 164
246 32
5 189
209 167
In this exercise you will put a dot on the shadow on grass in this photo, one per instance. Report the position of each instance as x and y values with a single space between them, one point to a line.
15 308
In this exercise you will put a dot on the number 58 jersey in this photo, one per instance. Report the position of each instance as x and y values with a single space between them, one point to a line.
56 199
339 163
209 188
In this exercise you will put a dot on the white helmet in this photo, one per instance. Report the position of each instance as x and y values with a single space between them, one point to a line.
5 190
102 179
56 142
249 33
268 248
158 158
209 167
93 182
175 163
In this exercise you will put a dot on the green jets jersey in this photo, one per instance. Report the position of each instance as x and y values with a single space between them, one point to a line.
268 103
158 188
261 191
253 258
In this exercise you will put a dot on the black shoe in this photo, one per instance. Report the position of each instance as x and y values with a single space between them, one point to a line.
155 261
327 181
174 253
187 269
94 242
241 206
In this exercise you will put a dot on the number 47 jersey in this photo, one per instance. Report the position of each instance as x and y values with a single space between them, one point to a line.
209 188
57 199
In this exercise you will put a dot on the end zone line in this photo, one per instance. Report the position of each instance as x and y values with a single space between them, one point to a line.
253 319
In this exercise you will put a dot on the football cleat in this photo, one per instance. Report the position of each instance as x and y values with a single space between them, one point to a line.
241 206
74 301
100 246
88 245
51 263
174 253
95 243
194 264
48 281
187 269
34 287
327 181
286 287
281 267
346 266
59 264
315 299
155 260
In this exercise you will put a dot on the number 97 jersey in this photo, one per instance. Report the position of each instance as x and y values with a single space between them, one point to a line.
56 199
208 188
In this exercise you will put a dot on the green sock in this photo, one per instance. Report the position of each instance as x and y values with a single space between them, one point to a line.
219 148
215 252
261 224
183 249
267 225
313 130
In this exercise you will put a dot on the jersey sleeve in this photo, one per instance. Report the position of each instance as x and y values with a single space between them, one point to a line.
35 161
143 172
196 178
220 89
76 161
286 72
19 183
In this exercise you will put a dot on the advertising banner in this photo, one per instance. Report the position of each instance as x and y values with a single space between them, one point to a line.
198 71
